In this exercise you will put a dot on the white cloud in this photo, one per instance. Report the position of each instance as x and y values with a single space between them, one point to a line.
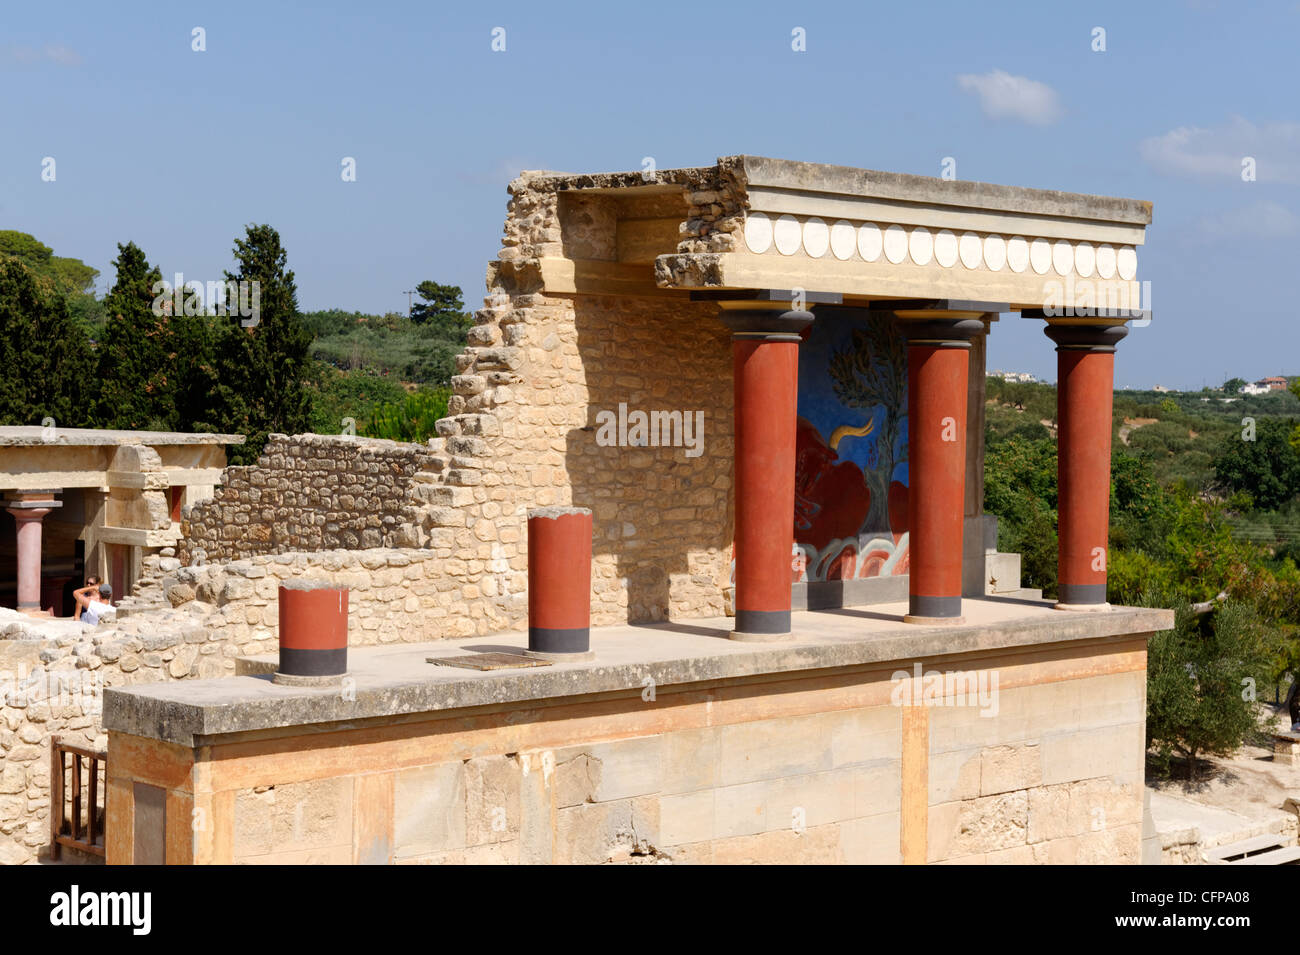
62 55
1003 96
1217 152
1259 220
26 55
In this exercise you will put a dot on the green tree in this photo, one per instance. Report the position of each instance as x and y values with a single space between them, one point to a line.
1267 468
1199 681
262 369
411 419
137 381
354 395
44 356
1020 488
73 279
442 304
1294 388
1233 386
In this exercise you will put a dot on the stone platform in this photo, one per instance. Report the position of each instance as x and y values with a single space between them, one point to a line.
1017 737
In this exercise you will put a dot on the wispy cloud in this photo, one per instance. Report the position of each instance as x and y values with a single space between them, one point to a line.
1003 96
62 55
1217 152
1259 220
28 56
499 174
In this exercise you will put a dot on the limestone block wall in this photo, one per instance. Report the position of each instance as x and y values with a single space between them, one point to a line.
308 492
1054 776
832 766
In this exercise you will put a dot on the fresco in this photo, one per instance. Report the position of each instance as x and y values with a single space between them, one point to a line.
851 451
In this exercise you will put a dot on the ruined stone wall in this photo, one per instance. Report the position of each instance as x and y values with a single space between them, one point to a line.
523 422
53 673
308 492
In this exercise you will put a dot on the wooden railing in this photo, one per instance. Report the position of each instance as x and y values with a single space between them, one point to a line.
76 804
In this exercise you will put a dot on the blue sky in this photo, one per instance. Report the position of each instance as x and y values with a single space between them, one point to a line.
177 150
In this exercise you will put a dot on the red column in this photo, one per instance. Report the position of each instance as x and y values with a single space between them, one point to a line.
938 359
313 633
1085 385
559 583
765 352
29 509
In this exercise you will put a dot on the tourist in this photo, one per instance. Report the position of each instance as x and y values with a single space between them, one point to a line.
94 601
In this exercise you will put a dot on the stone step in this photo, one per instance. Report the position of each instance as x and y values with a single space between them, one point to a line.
1245 851
1020 593
1290 855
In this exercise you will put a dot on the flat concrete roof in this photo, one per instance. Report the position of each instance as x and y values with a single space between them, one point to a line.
19 436
762 172
396 680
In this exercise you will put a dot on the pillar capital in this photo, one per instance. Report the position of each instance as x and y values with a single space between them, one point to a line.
1086 338
941 332
767 314
18 501
766 324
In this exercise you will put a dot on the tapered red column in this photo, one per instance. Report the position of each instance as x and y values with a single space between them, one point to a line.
1085 385
938 358
29 509
765 353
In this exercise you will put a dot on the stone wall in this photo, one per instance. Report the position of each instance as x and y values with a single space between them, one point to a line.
308 492
540 367
829 765
53 673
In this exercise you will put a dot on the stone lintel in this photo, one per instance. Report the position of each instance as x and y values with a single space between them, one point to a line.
753 297
785 174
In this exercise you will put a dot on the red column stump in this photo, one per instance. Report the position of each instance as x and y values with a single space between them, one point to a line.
313 633
559 583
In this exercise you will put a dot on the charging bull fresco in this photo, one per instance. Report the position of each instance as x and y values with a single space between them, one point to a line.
851 479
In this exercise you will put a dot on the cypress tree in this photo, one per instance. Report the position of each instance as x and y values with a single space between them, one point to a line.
263 368
45 364
136 377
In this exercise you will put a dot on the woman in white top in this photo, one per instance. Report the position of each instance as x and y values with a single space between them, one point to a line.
89 608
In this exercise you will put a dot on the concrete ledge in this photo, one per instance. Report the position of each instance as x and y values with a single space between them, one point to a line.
396 680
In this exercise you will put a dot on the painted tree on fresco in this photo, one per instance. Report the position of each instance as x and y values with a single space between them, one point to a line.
872 371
